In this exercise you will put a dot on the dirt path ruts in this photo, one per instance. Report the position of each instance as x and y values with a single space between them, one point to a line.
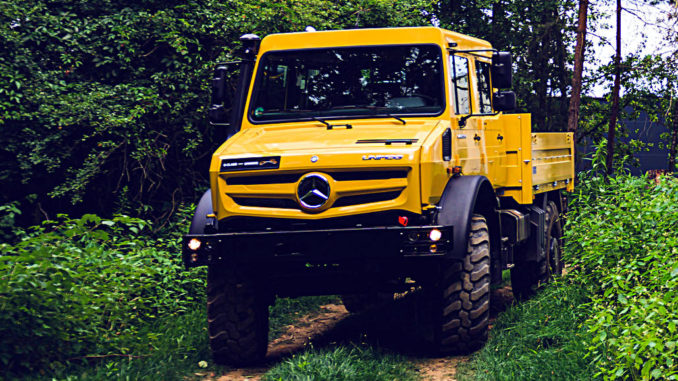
332 324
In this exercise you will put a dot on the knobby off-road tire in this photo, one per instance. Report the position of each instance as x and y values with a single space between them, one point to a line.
237 317
526 276
465 289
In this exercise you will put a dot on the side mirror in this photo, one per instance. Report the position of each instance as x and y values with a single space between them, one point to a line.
218 113
502 70
504 101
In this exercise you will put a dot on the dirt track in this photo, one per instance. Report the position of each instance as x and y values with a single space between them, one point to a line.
392 326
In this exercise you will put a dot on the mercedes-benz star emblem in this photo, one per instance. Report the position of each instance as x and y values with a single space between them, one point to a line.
313 191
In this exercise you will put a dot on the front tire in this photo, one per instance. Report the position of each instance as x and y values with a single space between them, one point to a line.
464 307
237 317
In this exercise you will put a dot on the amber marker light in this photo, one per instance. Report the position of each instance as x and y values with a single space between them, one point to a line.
433 248
194 244
435 235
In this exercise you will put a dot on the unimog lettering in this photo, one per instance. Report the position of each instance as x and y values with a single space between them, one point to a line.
422 210
382 157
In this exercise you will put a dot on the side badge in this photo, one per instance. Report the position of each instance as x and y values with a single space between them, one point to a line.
314 159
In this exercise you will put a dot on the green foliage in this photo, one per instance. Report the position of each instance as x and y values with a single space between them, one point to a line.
342 364
540 339
103 103
622 236
76 287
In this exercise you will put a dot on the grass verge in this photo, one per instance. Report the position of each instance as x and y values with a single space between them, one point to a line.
179 347
540 339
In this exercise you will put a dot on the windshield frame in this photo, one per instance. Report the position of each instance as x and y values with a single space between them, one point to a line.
371 113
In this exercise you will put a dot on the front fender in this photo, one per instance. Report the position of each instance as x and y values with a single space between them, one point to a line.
463 196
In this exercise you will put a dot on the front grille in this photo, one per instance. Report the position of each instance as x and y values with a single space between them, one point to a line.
287 178
366 198
278 190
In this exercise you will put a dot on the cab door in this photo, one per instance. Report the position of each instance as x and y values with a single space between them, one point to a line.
491 124
467 137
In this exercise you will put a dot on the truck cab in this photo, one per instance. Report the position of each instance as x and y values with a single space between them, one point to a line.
363 162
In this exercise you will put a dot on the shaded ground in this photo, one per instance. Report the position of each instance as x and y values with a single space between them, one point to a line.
393 326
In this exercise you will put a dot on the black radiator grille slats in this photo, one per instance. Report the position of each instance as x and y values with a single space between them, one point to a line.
368 175
365 198
265 179
281 203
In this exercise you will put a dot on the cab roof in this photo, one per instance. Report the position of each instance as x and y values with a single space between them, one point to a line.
374 36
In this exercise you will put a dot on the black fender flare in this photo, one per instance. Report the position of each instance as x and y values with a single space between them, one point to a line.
201 211
463 196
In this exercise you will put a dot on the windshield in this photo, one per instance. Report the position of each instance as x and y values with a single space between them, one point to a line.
348 82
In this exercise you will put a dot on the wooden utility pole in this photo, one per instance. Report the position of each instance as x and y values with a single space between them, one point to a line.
614 113
575 98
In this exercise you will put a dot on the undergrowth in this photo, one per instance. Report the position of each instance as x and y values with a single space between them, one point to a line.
540 339
613 316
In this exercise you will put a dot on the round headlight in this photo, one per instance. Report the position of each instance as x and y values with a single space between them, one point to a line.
194 244
435 235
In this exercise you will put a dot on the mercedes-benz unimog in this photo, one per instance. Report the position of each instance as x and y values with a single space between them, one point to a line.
367 162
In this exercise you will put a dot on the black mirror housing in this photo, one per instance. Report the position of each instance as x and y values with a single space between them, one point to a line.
504 101
502 70
218 115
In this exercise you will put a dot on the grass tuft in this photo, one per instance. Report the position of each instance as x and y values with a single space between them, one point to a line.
343 364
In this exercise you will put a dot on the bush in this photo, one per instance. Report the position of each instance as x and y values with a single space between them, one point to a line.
622 237
76 287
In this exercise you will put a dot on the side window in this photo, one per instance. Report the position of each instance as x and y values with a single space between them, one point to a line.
483 75
460 82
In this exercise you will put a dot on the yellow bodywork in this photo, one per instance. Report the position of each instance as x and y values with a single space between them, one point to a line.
501 147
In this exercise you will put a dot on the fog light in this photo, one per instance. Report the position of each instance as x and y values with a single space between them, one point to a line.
433 248
194 244
435 235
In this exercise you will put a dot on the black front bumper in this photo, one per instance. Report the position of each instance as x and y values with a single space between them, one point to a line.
318 246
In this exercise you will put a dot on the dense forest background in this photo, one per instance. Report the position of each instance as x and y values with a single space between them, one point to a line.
103 103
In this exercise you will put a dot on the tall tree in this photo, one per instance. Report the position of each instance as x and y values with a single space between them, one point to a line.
575 99
615 96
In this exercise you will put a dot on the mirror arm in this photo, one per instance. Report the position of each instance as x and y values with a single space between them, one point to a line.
463 119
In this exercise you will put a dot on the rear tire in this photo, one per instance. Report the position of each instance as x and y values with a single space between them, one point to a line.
237 317
527 275
464 304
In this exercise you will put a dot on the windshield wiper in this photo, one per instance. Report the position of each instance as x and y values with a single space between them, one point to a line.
330 126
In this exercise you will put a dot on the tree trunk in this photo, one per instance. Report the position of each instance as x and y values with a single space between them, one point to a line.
674 138
575 99
614 113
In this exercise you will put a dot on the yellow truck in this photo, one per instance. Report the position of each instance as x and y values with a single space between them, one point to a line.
367 162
